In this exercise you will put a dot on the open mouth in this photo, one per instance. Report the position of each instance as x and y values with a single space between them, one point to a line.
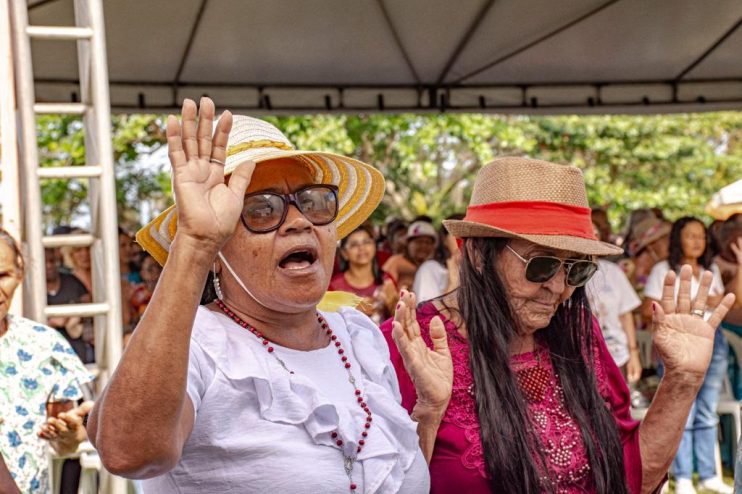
298 258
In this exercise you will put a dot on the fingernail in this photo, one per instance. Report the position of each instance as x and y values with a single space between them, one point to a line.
654 307
398 306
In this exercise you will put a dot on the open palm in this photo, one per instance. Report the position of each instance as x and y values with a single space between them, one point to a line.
684 340
208 208
431 369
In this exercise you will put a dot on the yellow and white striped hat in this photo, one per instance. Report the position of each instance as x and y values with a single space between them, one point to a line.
360 186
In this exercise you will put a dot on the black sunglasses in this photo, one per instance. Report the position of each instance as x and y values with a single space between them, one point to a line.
264 212
540 269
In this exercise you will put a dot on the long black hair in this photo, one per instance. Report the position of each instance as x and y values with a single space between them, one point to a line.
512 449
345 265
675 258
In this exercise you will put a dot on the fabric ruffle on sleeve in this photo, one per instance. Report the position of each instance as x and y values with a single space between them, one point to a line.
392 444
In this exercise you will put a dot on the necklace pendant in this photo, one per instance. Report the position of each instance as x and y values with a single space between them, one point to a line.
348 463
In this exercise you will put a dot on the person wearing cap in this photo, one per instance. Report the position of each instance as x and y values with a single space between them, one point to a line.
538 403
421 241
257 390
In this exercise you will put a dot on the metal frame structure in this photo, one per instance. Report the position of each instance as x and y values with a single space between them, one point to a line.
444 90
94 108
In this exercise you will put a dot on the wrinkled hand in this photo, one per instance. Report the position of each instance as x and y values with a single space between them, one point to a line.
208 208
683 340
431 370
66 431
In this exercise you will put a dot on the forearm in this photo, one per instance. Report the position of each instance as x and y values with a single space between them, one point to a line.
627 323
7 485
663 426
147 391
428 423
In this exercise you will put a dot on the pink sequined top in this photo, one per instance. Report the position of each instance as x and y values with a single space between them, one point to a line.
458 465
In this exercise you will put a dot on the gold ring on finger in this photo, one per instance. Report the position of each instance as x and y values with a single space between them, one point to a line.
698 312
218 162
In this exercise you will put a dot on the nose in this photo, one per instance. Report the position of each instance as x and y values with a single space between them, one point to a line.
558 283
295 221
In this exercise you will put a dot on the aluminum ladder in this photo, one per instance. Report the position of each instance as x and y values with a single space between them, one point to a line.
94 108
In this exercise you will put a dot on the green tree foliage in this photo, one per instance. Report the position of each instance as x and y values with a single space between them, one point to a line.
61 143
675 162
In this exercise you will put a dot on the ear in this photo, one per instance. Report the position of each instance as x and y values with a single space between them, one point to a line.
474 255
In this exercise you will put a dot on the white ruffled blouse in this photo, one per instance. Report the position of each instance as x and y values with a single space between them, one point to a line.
260 429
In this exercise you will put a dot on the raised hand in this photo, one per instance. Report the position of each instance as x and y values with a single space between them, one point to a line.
684 340
431 370
208 208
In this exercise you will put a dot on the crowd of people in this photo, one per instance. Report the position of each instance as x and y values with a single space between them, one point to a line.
495 352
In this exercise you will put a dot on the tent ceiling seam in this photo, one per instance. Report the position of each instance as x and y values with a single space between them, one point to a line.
189 45
398 40
535 42
465 39
709 50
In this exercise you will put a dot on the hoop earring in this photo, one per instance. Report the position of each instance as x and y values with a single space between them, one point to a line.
217 286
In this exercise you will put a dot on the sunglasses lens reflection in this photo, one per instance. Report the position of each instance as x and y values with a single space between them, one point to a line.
580 272
541 269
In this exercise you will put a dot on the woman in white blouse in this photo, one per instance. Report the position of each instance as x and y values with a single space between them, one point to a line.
258 390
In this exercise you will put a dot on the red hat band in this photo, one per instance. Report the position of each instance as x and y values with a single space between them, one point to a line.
534 218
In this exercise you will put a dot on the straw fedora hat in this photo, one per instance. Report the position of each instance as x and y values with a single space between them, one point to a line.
360 186
533 200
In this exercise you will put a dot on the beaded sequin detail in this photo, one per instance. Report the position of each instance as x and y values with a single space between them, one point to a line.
560 435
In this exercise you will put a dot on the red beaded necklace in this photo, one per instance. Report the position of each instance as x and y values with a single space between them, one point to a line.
348 461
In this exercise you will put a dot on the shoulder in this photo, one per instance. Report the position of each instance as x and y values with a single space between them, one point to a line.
660 269
38 343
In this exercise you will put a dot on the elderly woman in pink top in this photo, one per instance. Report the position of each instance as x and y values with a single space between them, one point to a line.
525 396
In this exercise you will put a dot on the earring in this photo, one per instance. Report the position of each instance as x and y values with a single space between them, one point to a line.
217 286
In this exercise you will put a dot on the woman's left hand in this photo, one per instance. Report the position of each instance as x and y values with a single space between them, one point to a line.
684 340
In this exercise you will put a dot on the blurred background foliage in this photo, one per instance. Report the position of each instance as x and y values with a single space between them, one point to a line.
675 162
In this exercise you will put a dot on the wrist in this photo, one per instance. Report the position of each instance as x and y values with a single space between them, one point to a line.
683 378
192 249
427 414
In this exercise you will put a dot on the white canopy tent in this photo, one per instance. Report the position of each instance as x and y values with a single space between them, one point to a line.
292 56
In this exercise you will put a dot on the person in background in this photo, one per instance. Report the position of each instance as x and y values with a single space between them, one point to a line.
421 242
127 266
40 379
439 275
63 288
613 300
636 217
360 274
689 245
77 259
650 245
599 217
729 261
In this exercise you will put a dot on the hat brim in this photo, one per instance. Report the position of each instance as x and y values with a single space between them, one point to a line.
664 231
360 190
469 229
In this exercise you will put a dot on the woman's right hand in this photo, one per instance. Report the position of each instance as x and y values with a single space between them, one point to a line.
208 208
430 369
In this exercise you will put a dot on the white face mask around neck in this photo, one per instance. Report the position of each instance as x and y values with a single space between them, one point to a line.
237 278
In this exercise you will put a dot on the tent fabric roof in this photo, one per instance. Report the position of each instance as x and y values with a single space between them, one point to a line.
516 56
